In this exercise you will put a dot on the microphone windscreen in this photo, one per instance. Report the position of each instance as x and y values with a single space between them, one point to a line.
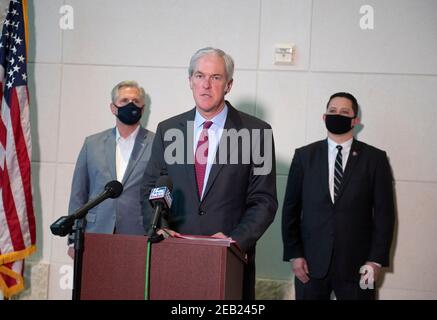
114 189
164 181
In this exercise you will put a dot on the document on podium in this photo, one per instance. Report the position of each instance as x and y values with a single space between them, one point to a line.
226 241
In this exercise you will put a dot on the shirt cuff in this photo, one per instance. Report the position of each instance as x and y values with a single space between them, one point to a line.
379 265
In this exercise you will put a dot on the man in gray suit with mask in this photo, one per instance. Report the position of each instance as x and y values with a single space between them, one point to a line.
119 153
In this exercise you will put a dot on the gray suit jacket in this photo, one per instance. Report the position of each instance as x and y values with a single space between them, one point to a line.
95 167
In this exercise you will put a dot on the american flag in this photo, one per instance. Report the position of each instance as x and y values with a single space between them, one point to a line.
17 220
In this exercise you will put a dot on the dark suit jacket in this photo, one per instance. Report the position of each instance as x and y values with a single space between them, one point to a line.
236 202
358 227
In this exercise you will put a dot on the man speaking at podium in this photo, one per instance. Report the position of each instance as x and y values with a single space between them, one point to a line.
221 162
119 153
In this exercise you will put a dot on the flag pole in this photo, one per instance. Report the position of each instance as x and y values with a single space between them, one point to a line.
26 34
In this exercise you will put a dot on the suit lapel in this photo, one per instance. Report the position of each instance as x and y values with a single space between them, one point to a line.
233 121
137 152
190 172
109 146
352 160
324 168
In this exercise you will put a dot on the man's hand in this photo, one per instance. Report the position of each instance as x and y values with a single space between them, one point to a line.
220 235
300 269
167 232
370 275
70 252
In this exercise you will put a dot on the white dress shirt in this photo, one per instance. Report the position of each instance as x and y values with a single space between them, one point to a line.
123 151
214 135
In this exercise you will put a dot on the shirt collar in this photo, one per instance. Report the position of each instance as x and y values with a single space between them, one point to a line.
132 136
219 120
332 145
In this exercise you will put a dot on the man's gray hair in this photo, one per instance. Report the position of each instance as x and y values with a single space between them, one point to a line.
229 62
129 84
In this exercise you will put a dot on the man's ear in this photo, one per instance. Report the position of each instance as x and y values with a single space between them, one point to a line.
229 86
356 121
113 109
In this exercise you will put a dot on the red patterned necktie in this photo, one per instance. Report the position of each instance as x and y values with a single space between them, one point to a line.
201 157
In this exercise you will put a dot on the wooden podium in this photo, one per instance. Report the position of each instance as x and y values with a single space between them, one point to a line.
180 269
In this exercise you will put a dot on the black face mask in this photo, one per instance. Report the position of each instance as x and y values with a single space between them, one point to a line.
338 124
129 114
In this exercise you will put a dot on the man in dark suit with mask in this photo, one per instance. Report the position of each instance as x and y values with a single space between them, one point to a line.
229 188
338 211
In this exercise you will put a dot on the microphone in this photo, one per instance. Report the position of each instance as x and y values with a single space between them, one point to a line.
160 199
64 225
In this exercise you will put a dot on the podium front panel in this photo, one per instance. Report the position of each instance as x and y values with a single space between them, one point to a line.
180 269
113 267
195 270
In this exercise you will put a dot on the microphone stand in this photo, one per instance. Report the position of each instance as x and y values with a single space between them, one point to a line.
151 239
78 232
155 237
75 223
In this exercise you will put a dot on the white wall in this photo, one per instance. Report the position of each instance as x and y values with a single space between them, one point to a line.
391 70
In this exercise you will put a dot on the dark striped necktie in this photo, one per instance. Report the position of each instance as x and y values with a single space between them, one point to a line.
338 172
